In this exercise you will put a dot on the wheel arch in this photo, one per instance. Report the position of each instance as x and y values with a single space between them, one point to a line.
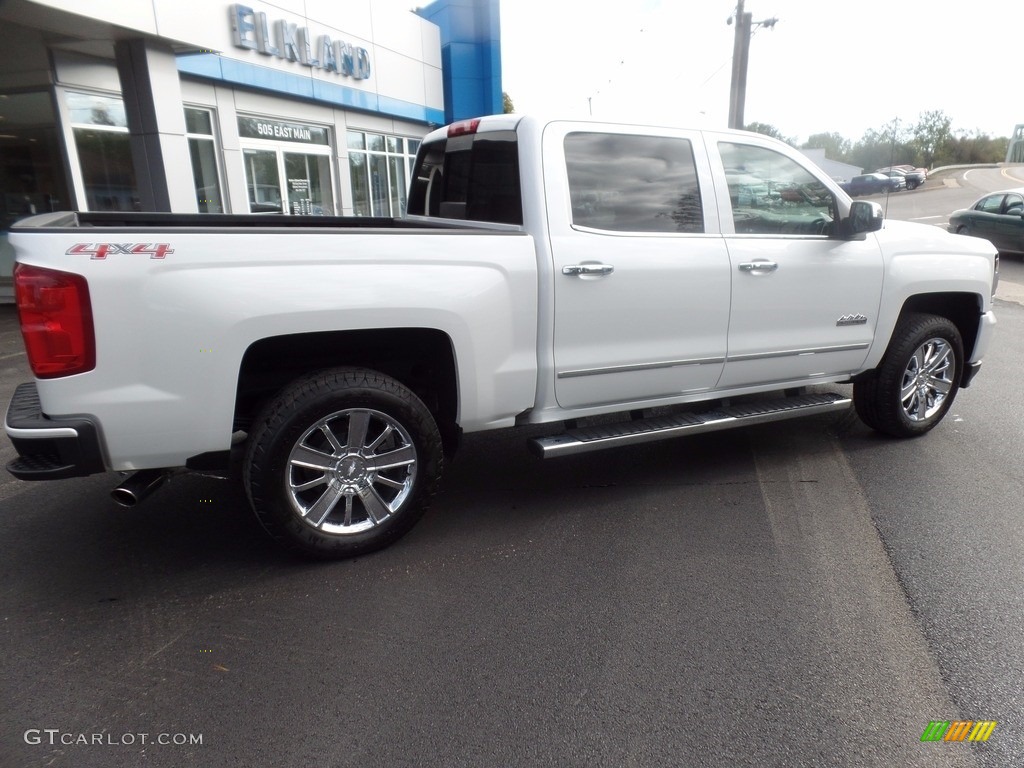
964 310
423 359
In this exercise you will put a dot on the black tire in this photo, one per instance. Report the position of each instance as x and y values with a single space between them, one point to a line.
342 462
917 380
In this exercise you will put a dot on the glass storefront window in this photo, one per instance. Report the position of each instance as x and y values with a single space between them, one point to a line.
287 167
32 175
94 109
198 121
107 171
360 183
379 185
309 189
397 184
32 178
264 182
380 172
100 131
202 147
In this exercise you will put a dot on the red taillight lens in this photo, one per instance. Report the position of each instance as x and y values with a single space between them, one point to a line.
463 127
56 321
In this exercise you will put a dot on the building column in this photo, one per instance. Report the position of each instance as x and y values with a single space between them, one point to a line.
151 90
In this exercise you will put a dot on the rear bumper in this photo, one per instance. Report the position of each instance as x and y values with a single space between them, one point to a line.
49 449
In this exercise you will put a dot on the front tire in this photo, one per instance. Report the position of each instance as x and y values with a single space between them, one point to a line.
917 380
342 462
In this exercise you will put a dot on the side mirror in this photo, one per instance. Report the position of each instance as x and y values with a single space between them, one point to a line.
864 217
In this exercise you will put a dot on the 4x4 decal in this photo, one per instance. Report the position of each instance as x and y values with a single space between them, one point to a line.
102 250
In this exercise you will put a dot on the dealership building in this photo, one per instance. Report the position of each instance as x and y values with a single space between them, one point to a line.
196 106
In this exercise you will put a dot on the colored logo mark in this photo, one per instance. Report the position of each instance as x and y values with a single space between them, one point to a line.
959 730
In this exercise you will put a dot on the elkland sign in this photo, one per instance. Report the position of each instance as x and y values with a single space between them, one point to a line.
294 43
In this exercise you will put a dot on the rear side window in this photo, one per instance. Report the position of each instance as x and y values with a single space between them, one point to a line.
626 183
473 177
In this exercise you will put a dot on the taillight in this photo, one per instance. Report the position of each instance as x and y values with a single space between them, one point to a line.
463 127
56 321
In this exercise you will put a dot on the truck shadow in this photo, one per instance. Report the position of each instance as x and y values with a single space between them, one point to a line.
67 542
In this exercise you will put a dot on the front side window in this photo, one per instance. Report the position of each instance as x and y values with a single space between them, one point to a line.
773 194
626 183
990 204
1014 204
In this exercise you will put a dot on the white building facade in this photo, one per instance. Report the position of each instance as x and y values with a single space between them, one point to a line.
295 107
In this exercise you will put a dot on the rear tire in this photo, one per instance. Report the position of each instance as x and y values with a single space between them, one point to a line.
917 380
342 462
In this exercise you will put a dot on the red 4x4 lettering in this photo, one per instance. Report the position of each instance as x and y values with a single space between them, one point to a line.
102 250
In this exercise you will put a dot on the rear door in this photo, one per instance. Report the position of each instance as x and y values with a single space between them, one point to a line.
641 274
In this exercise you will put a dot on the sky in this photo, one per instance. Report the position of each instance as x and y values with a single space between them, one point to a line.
826 66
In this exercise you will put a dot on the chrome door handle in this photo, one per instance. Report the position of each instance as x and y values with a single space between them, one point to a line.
758 266
588 269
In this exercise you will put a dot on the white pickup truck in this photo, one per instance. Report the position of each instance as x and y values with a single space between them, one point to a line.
557 273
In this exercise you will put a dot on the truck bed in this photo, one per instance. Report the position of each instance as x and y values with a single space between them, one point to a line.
63 220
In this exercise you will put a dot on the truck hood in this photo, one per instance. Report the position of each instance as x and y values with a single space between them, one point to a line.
899 237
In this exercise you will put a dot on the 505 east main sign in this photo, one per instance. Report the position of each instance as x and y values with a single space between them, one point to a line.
291 42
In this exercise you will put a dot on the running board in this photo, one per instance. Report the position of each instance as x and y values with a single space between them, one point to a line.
677 425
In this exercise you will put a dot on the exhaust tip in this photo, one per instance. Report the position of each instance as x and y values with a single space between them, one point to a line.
138 486
124 497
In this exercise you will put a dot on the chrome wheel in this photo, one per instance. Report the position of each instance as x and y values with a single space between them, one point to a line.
927 379
915 384
351 471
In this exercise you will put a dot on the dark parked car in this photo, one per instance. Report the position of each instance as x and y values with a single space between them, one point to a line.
912 178
998 217
872 183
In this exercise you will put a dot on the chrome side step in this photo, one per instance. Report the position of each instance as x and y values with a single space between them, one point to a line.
677 425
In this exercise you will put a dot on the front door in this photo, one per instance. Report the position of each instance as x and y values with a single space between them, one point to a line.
308 184
641 290
804 303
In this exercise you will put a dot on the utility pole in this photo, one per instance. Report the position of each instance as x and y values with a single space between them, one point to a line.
740 49
740 54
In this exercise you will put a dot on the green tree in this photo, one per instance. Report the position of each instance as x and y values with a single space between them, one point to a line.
835 146
932 136
969 147
506 103
881 148
768 130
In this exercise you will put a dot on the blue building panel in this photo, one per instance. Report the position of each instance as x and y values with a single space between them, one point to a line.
470 56
467 59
